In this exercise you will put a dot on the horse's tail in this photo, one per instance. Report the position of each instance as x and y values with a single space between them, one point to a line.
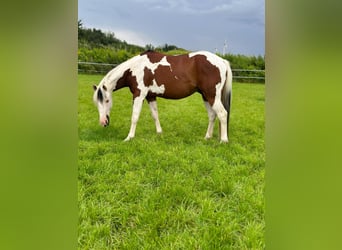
226 96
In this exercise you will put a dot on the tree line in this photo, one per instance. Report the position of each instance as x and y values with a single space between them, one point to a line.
94 45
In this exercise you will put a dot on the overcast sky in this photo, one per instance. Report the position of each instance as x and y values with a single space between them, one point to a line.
189 24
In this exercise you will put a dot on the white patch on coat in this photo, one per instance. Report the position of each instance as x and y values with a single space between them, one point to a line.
164 62
137 68
154 88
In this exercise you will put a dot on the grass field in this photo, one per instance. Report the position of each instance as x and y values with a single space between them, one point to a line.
175 190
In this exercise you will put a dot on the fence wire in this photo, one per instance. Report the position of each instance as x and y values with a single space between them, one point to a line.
244 75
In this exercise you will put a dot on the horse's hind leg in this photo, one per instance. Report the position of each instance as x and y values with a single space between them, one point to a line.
211 116
222 116
154 112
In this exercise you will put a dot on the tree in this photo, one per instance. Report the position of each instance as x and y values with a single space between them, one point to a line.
149 47
80 25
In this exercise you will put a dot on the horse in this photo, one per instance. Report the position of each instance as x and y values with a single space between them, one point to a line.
152 74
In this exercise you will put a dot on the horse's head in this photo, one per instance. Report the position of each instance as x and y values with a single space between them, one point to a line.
103 100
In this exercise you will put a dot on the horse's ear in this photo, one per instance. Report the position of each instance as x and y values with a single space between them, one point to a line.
104 87
94 87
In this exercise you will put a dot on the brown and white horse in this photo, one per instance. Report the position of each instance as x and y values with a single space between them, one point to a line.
151 74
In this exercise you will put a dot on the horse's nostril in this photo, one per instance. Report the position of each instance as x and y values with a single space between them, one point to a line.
107 119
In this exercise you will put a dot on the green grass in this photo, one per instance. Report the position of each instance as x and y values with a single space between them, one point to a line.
175 190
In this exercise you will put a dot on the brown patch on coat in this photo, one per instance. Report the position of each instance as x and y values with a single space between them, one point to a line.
128 80
153 56
208 78
148 77
178 83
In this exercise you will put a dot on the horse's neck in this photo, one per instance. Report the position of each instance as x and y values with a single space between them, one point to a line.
114 79
111 80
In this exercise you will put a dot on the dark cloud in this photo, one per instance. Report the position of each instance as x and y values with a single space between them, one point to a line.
190 24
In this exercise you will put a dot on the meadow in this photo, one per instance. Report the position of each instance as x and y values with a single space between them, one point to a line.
175 190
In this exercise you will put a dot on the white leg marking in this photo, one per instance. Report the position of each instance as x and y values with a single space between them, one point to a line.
221 113
211 116
154 112
222 116
137 105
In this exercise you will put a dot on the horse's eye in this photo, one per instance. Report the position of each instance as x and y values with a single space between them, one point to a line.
107 101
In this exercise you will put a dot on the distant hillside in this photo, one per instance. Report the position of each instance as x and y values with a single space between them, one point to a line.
96 46
96 38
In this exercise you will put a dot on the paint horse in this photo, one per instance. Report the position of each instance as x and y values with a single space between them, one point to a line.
151 75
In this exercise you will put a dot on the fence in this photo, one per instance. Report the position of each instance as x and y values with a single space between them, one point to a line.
249 75
239 75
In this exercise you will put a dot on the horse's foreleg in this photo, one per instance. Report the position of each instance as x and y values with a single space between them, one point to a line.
137 105
211 116
154 112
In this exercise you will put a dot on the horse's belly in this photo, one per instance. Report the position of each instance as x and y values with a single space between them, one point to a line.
178 91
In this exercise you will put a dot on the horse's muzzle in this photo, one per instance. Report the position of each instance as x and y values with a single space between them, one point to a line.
105 122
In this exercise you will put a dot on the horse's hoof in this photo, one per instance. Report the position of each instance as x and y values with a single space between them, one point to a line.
128 138
224 141
207 137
